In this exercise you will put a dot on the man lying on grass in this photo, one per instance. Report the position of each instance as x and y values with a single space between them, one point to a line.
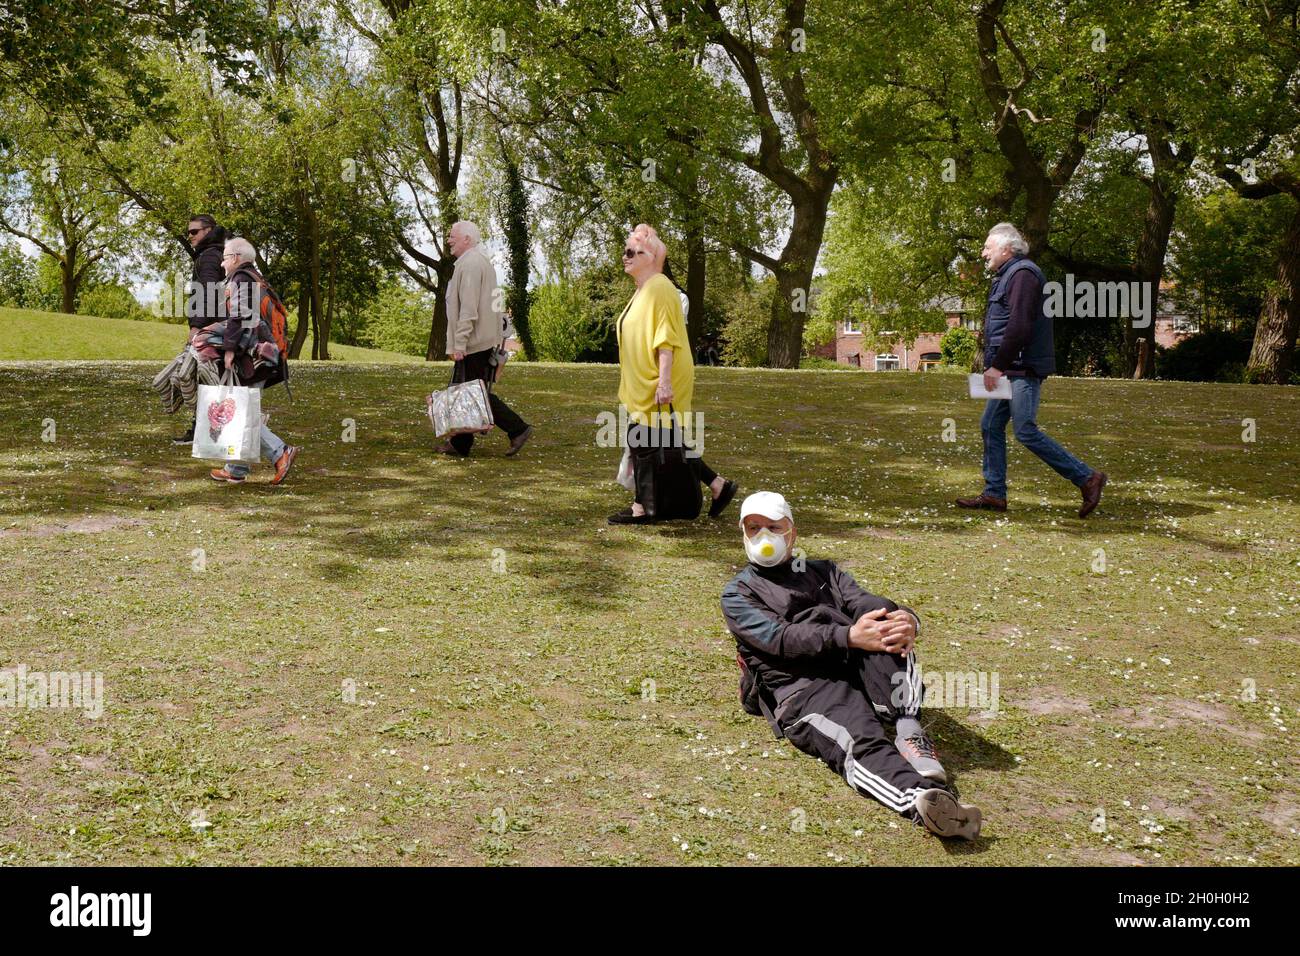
829 664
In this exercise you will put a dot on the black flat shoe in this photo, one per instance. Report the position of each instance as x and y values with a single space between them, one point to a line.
720 503
626 517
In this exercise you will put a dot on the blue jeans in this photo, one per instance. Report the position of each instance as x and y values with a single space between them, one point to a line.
1022 410
272 448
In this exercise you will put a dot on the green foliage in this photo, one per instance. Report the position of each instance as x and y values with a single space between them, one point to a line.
18 280
398 320
564 322
1215 355
958 347
112 300
749 314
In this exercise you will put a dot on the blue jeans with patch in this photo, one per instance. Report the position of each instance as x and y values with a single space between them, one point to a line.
272 448
1022 411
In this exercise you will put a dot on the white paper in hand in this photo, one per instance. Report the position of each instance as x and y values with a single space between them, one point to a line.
977 389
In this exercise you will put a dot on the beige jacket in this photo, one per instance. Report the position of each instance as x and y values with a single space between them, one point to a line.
473 324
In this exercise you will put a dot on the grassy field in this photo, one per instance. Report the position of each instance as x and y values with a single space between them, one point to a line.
502 639
26 335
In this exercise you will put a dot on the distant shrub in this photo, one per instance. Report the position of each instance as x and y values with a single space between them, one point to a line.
399 319
1207 356
958 347
563 322
111 300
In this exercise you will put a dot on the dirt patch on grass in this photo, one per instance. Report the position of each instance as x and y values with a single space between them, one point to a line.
1048 702
90 524
1176 713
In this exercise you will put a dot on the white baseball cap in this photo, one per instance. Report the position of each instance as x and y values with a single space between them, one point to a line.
768 504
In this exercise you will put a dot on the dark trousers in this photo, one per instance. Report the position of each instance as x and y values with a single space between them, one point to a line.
472 366
638 436
841 722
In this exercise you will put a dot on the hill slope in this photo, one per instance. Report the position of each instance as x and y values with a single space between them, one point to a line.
26 335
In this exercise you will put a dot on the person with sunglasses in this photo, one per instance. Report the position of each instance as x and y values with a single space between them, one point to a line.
207 282
655 366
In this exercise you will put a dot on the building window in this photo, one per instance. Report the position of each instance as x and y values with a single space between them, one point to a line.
851 327
1185 324
855 359
929 360
886 363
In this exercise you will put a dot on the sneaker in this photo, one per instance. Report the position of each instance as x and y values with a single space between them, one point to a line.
220 474
941 814
284 463
918 750
186 439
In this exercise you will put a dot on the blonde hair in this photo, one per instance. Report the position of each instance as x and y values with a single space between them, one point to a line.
651 242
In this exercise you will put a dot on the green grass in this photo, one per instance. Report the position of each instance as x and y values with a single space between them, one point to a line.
500 634
27 335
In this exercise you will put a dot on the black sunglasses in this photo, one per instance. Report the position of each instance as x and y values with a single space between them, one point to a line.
195 232
631 253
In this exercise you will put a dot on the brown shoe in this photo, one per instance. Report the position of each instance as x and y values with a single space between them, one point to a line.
1091 491
984 501
517 442
284 463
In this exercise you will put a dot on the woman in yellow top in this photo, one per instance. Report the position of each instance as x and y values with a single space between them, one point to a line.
655 366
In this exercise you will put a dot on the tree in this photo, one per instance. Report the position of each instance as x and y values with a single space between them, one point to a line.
50 198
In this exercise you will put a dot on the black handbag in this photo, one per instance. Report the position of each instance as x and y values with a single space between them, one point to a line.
666 485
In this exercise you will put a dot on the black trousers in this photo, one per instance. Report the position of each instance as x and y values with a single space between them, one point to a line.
841 722
638 436
472 366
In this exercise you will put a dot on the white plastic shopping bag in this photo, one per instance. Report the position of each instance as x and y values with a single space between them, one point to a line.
625 476
228 424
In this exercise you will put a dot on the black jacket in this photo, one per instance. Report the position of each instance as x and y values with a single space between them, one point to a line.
793 626
207 280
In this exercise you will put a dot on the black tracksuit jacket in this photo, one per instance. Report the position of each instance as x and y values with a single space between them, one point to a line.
792 627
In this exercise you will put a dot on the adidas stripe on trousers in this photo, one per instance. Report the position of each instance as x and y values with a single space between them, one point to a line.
840 723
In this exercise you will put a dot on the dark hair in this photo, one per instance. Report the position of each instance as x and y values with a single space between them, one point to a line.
668 274
204 218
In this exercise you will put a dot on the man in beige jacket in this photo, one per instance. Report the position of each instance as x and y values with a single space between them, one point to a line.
474 333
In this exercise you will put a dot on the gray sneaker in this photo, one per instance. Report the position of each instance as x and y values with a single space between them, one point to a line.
942 815
918 750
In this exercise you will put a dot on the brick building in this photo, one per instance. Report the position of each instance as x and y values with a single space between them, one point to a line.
849 347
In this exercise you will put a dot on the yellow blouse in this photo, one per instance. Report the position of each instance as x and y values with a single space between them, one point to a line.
652 321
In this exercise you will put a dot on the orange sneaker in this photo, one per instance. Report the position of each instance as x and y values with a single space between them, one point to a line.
220 474
284 463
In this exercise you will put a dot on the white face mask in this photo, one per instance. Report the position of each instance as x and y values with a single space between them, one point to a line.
766 549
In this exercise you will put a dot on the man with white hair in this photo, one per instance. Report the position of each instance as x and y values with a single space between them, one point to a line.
250 352
475 333
1018 344
828 664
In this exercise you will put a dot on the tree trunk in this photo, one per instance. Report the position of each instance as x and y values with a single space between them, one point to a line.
1272 356
794 279
68 275
437 349
513 214
300 334
696 265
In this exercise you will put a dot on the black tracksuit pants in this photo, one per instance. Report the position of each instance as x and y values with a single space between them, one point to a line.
840 723
472 366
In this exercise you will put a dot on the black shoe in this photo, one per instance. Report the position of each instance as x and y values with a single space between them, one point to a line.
186 439
626 517
720 503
